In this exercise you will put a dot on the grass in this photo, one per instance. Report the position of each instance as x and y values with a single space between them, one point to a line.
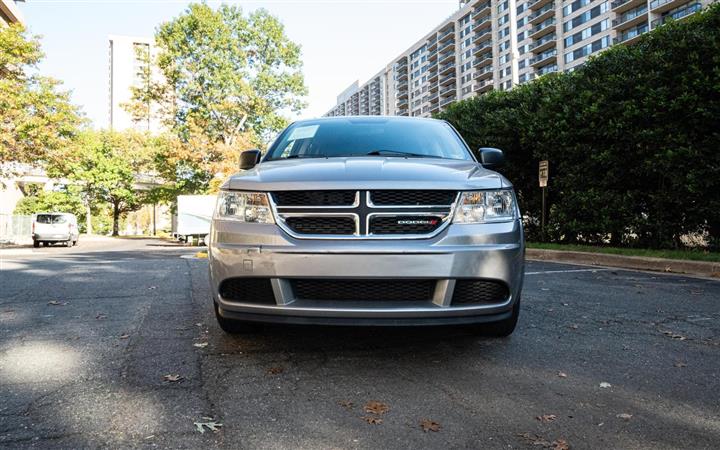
693 255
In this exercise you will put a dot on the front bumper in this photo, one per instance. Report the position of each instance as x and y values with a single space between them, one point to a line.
493 252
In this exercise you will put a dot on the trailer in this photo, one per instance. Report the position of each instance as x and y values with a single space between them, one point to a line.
194 214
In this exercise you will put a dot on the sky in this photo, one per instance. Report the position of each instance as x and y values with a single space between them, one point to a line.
342 40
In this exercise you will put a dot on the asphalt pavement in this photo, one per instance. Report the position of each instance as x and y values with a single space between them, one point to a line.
114 344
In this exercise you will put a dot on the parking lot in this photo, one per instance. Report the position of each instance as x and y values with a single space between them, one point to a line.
113 343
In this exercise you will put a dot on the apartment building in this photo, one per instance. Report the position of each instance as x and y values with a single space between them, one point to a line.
128 61
10 13
370 99
498 44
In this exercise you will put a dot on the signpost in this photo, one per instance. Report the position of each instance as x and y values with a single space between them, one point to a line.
543 174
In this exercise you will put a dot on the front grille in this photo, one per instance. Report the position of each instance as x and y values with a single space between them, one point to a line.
248 290
321 224
479 291
314 198
409 198
404 224
364 290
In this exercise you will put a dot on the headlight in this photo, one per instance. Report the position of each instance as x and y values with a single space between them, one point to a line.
251 207
485 206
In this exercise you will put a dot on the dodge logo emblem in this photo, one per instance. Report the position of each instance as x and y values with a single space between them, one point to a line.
418 222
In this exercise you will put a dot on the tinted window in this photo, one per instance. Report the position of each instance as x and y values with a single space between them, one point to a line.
359 137
50 218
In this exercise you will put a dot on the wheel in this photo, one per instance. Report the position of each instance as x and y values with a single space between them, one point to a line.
234 326
68 243
45 244
502 328
75 242
36 244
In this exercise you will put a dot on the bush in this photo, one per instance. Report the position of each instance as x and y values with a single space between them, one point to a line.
632 138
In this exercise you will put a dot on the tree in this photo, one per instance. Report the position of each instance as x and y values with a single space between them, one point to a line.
224 74
105 165
36 119
65 200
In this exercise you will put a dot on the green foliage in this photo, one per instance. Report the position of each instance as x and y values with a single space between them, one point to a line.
52 201
632 138
37 119
104 165
224 74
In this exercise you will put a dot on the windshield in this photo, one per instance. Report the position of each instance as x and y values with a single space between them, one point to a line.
50 218
369 137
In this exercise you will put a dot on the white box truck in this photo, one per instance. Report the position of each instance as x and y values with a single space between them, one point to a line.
194 214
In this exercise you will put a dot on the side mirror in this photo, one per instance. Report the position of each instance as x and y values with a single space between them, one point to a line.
249 159
491 158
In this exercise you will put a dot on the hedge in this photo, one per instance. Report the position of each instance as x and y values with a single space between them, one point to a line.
633 140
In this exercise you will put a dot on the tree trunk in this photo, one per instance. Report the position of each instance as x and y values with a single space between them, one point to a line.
116 219
88 218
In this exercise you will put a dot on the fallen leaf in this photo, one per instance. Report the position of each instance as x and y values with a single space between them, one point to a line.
372 420
605 385
429 425
101 316
347 404
546 418
574 327
212 426
173 378
124 336
57 303
680 364
562 374
275 370
375 407
624 416
151 288
560 444
200 344
674 335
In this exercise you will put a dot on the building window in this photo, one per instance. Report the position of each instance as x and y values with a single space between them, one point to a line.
588 49
574 6
586 33
504 32
586 16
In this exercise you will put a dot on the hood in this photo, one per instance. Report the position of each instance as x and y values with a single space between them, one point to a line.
366 173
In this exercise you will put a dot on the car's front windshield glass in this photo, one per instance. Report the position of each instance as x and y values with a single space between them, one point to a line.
369 137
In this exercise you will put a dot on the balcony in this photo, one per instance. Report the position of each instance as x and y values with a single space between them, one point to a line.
631 35
661 6
402 112
482 10
447 89
543 13
630 18
432 75
544 58
432 43
432 56
546 42
481 35
547 69
447 101
483 60
446 46
401 85
401 94
484 86
446 68
484 73
482 46
543 28
445 34
534 5
677 15
449 78
620 6
446 57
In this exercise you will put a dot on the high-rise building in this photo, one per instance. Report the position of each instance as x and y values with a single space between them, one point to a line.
498 44
9 13
129 63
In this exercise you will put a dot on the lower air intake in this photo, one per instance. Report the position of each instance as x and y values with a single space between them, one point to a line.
468 292
248 290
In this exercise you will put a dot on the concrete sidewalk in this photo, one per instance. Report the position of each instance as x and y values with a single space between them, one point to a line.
698 268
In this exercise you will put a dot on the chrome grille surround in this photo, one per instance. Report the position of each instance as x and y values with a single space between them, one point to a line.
362 211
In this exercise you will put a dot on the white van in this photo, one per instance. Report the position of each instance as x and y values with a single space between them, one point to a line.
49 228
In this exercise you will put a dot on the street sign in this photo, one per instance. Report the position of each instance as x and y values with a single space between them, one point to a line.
543 173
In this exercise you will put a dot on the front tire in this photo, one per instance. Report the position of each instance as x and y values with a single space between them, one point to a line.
36 244
231 326
502 328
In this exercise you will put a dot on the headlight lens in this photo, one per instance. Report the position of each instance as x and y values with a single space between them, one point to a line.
485 206
251 207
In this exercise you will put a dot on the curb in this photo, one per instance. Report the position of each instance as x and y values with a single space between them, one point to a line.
699 268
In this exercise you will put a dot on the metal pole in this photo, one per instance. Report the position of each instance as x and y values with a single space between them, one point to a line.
154 229
542 233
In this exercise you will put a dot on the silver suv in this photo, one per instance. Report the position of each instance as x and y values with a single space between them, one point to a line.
368 221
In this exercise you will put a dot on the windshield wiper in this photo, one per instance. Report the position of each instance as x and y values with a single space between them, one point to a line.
298 156
397 153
